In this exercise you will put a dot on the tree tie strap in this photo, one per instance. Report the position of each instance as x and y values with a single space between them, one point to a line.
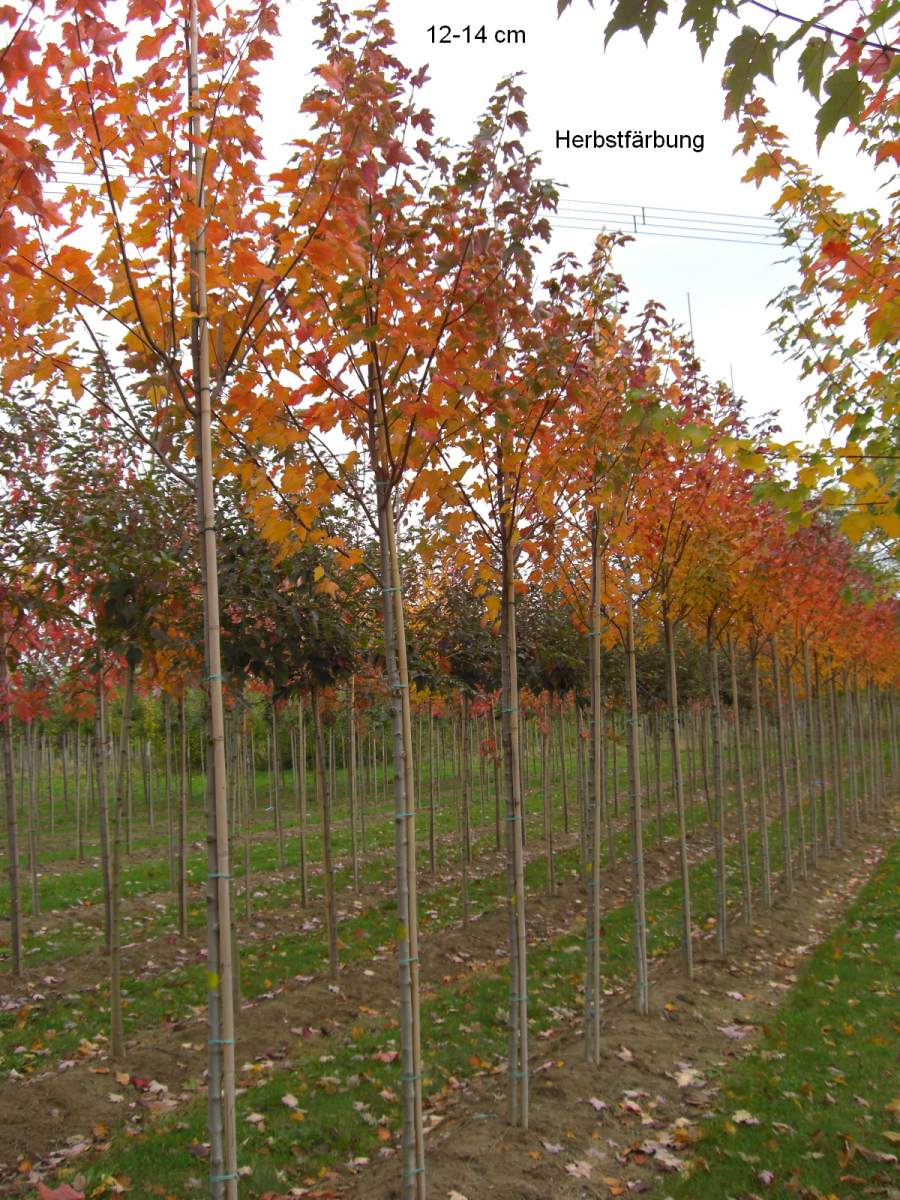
218 875
220 1042
223 1178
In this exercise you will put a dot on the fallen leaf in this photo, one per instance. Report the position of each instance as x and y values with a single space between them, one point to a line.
736 1032
581 1170
552 1147
63 1192
666 1160
289 1101
742 1117
599 1105
688 1077
625 1054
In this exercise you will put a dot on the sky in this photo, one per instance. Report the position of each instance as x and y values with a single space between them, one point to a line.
573 84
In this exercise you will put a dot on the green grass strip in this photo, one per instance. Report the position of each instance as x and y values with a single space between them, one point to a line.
823 1083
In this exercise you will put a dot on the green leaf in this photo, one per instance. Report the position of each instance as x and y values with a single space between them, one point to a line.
702 16
812 64
750 54
636 14
846 100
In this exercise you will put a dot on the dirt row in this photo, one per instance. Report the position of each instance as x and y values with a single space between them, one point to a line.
625 1126
46 1109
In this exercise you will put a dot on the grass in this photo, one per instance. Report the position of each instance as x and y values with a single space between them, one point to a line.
346 1096
58 1027
63 1025
823 1084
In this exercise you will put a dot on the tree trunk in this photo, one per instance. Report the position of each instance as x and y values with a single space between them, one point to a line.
798 784
517 1071
765 875
432 841
545 793
746 888
323 789
638 897
301 799
464 805
393 624
183 785
838 767
595 796
687 951
33 771
116 1031
715 725
781 751
12 836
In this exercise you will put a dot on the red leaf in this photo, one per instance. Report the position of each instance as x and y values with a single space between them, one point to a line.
63 1192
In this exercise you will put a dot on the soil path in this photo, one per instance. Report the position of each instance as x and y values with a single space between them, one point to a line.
45 1110
621 1127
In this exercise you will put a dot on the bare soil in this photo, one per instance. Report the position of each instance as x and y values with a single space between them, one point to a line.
621 1127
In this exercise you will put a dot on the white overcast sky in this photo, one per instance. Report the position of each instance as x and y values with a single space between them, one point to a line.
572 83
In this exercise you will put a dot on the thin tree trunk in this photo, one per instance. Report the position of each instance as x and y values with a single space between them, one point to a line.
564 783
638 895
517 1073
595 803
170 807
810 759
276 790
116 1030
798 785
12 836
432 843
820 759
79 819
464 805
33 769
838 767
746 888
687 951
413 1185
301 798
545 794
715 724
765 874
788 865
183 785
323 789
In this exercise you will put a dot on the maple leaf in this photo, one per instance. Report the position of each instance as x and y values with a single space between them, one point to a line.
63 1192
581 1170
